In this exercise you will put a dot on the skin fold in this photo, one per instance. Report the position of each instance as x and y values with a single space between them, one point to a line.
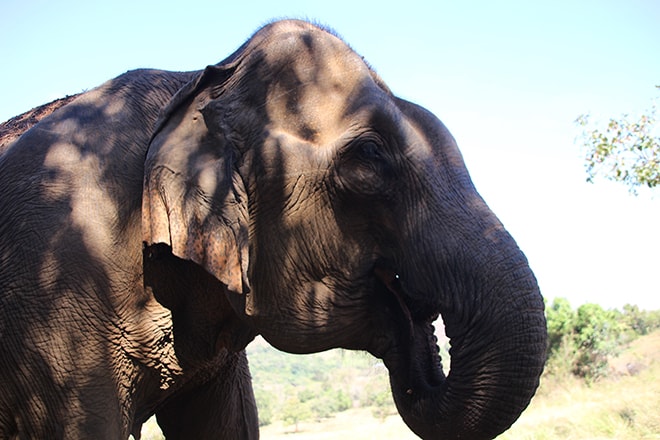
152 227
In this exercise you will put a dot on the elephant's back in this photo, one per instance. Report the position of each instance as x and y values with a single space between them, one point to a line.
72 182
13 128
119 113
101 135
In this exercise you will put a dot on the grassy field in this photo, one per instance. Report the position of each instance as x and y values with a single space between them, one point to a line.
357 423
624 406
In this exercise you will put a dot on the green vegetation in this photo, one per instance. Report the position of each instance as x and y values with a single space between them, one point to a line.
627 150
294 388
582 342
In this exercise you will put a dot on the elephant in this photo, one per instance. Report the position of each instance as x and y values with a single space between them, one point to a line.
12 129
151 227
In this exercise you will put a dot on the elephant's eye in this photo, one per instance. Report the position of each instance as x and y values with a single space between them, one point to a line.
369 150
364 168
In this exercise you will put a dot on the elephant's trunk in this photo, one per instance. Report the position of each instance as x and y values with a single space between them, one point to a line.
496 325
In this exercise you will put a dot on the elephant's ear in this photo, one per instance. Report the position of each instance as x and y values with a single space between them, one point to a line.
193 198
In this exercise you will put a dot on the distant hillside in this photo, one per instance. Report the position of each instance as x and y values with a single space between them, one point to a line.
297 388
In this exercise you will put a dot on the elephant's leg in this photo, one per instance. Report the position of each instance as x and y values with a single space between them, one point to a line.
221 408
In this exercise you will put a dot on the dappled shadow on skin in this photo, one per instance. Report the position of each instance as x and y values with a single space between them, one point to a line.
243 229
11 129
56 302
70 273
296 251
73 307
73 193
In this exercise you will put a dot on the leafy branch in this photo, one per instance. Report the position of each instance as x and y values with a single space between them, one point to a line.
627 150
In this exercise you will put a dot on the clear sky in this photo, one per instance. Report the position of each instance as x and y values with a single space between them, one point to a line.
507 77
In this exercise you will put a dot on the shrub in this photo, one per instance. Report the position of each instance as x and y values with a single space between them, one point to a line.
581 341
596 336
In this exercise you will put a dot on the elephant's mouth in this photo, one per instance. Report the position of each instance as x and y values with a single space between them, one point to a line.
416 353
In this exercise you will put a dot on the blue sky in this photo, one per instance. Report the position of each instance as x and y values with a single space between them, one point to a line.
507 78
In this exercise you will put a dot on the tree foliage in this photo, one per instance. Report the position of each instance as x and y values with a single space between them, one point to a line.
561 319
296 410
582 341
301 388
626 150
596 334
640 322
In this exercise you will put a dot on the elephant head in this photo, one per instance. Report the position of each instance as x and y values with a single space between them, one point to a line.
338 215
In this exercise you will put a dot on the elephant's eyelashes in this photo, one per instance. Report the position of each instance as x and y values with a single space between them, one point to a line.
365 169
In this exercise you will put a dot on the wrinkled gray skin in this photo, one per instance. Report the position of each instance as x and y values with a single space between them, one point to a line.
284 192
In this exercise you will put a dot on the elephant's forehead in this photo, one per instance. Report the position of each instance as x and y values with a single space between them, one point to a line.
312 111
314 79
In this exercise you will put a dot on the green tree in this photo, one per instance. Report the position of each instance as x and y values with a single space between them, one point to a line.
382 405
295 411
562 349
265 402
597 337
626 150
580 342
640 322
329 402
561 319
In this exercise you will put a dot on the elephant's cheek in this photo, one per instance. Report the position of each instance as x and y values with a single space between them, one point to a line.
306 320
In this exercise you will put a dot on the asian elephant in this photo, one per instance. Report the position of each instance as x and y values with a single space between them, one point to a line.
151 227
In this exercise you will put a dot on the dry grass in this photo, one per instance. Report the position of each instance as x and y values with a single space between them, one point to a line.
357 423
625 406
